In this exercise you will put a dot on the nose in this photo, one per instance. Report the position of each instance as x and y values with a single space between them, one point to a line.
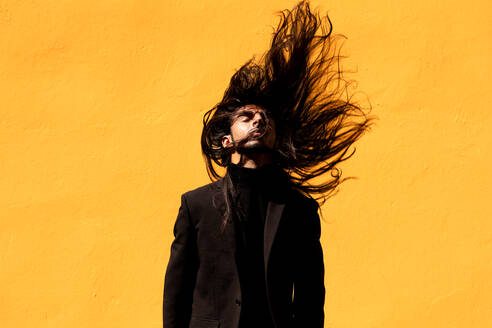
258 119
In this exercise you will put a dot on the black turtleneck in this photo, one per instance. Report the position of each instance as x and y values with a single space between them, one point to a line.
255 187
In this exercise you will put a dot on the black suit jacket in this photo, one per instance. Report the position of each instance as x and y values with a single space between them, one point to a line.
202 287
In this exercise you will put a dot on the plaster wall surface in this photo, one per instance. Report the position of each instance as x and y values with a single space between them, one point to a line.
100 118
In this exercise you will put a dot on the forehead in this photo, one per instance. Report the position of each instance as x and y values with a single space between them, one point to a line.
250 109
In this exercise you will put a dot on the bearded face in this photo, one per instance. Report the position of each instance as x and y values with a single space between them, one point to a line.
251 131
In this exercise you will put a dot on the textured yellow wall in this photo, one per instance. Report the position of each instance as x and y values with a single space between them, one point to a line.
100 118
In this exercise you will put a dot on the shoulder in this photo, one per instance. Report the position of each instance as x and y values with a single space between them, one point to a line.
201 198
203 191
302 200
306 218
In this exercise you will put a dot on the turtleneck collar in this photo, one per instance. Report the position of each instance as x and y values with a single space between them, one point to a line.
263 176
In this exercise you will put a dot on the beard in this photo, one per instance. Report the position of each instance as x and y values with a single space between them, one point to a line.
253 146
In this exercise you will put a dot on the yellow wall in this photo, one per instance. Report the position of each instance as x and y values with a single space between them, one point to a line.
100 118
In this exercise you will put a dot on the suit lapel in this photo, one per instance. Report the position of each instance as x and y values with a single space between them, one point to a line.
229 233
275 209
273 215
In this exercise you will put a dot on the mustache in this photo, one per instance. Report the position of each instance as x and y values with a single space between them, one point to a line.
239 144
262 131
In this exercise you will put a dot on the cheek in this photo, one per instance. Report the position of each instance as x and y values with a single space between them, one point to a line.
240 131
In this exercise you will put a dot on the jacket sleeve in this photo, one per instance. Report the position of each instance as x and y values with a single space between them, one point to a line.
309 287
181 272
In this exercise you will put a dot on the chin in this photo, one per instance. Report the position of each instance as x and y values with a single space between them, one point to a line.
255 147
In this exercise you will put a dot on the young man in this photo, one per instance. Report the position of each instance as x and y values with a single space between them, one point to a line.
246 251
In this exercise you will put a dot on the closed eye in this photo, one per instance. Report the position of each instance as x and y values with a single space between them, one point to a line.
245 115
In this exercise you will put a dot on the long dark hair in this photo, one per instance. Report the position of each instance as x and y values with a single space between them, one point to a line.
299 82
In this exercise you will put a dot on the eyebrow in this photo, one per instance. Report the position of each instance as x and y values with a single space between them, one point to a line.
243 111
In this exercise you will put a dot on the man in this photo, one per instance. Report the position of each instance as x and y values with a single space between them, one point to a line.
247 251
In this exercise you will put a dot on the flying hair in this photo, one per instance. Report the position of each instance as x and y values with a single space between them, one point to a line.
299 82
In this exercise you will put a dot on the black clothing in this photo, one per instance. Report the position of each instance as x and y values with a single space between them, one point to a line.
251 186
208 270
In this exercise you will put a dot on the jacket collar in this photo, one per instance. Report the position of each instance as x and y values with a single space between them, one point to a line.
274 213
273 216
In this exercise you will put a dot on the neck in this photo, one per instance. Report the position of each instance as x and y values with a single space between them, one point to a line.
252 161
